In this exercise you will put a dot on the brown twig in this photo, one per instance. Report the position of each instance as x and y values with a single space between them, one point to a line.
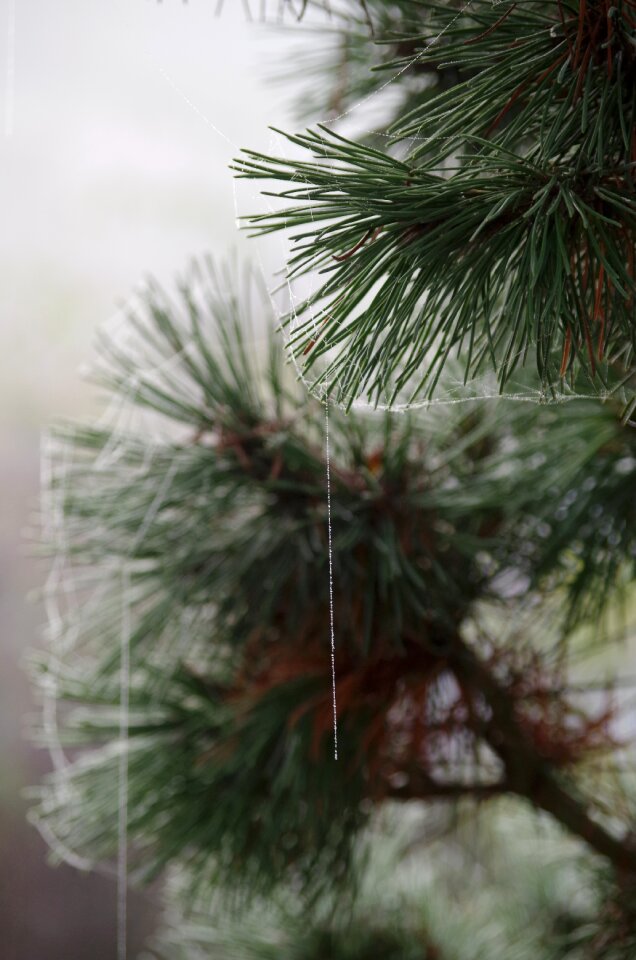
370 235
528 774
491 28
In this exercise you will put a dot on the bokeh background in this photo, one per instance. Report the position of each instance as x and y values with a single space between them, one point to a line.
118 121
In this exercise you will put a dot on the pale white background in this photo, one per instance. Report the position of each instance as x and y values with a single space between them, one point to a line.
107 174
110 172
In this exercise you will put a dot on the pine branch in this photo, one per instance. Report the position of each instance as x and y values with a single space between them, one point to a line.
220 523
529 775
506 230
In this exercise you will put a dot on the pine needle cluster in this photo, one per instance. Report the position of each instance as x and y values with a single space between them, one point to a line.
200 518
496 227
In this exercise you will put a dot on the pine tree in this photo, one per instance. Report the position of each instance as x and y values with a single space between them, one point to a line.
482 552
496 227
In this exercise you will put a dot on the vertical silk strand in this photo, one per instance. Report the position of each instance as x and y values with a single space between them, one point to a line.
332 632
10 74
122 832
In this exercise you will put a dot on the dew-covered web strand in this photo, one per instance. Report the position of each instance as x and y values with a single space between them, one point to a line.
55 472
122 855
9 95
457 391
332 632
407 66
122 824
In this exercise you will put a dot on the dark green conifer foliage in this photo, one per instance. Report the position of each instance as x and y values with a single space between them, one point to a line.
494 226
482 551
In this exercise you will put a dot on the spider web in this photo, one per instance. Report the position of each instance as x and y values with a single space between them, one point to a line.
70 605
453 386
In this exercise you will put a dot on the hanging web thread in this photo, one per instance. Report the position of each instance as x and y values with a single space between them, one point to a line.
122 831
332 632
10 74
